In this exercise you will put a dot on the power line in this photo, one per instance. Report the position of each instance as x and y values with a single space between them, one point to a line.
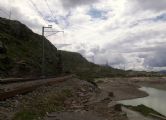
10 11
40 13
51 11
54 33
48 7
36 8
4 12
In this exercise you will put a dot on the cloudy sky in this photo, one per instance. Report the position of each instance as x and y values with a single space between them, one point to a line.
127 34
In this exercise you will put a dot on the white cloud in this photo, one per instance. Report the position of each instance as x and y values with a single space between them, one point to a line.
131 35
154 5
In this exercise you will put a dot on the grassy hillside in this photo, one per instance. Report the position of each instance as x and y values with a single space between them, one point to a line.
21 56
21 51
75 63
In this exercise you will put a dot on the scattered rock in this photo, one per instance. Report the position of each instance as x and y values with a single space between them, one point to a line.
118 107
111 94
115 106
123 114
82 99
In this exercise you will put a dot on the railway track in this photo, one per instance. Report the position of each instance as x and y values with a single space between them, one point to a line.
15 87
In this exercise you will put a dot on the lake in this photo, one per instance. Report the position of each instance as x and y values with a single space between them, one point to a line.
156 100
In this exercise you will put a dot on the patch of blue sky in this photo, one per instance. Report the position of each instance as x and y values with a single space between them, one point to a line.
97 14
58 19
161 17
51 19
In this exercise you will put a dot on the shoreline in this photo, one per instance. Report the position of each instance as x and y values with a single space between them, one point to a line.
128 89
122 90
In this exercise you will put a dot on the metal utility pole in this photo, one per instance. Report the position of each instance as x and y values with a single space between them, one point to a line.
43 46
6 13
43 51
10 14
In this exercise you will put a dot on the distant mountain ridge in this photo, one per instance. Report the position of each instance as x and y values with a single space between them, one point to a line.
162 72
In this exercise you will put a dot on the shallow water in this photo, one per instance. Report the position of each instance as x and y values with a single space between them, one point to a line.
156 100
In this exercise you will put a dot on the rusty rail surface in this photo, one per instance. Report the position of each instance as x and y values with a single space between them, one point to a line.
17 80
28 88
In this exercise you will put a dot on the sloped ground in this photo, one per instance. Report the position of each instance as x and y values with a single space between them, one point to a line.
73 99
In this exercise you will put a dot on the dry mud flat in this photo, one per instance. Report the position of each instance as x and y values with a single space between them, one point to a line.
154 82
121 88
127 88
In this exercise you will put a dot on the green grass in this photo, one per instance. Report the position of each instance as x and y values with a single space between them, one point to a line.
25 115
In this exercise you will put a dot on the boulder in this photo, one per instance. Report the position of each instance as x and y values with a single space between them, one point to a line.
116 106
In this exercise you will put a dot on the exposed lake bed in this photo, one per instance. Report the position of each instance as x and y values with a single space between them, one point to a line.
155 100
129 91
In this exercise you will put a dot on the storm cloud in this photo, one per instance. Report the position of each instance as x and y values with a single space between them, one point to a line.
155 5
75 3
156 58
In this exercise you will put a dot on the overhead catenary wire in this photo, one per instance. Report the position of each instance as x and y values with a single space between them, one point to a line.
56 21
52 13
49 7
10 11
36 9
41 15
4 12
